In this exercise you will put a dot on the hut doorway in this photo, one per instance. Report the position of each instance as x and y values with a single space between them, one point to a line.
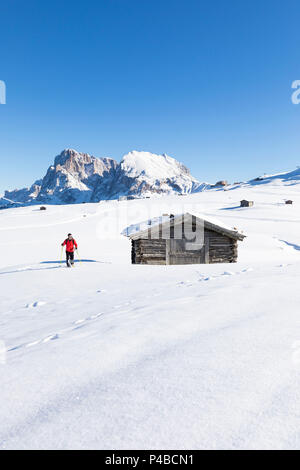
177 252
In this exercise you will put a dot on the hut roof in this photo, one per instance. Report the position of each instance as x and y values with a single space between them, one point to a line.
140 230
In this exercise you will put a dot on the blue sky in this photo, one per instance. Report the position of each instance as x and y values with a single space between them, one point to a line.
208 83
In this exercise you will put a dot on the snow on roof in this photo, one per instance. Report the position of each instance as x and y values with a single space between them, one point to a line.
138 229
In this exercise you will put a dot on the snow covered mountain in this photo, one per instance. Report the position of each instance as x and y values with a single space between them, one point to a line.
78 177
74 177
145 173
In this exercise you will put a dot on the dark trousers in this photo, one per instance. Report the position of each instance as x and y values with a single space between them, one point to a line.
70 257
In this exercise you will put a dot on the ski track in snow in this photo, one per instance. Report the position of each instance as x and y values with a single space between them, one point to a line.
119 309
188 283
77 324
54 224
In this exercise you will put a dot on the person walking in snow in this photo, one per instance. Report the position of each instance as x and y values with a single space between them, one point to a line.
71 245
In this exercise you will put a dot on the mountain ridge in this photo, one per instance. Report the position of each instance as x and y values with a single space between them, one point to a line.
78 177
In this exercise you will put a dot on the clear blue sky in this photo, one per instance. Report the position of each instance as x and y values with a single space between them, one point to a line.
206 82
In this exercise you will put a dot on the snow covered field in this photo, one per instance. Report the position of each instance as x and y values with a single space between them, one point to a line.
111 355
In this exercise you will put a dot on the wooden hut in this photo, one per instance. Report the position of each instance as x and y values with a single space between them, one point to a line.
289 201
184 239
245 203
221 183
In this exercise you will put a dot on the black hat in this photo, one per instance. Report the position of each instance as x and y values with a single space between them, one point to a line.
69 234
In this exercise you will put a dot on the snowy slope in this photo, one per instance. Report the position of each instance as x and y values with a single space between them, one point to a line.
288 177
283 179
112 355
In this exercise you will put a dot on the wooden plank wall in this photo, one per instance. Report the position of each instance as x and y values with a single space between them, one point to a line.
222 249
217 248
177 253
148 251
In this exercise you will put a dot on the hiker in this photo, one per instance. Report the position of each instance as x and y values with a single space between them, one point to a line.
70 246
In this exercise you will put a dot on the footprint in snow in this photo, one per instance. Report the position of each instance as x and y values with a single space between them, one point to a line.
208 278
186 283
225 273
78 327
14 348
91 317
79 324
34 343
96 316
50 338
35 304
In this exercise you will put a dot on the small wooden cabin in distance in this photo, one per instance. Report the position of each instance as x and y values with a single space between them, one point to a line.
157 245
245 203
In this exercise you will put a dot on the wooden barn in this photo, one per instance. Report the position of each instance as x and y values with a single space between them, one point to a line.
245 203
184 239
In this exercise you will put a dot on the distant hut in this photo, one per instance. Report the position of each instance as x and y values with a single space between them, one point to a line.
43 208
184 239
221 183
289 201
245 203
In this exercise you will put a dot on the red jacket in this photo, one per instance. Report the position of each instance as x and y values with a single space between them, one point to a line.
70 244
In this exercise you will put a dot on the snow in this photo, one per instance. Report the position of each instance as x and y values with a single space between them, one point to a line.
151 165
286 178
146 224
111 355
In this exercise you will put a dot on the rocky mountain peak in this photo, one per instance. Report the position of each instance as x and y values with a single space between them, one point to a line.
80 177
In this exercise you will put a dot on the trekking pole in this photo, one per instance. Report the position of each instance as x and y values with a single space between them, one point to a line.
61 254
78 256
